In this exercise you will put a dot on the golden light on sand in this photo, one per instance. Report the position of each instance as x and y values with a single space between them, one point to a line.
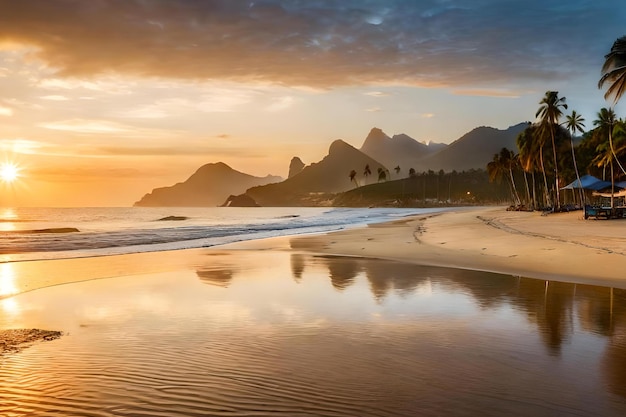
7 280
9 172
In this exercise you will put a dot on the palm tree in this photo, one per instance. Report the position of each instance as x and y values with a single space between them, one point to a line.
530 144
382 174
367 172
605 122
614 70
575 124
549 113
397 169
353 178
501 166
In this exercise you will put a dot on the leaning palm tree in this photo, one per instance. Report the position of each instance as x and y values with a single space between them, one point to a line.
575 124
549 113
614 70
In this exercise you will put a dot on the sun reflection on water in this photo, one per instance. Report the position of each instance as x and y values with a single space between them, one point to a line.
8 216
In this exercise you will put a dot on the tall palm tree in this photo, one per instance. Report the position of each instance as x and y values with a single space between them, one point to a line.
614 70
530 145
397 169
575 124
549 113
605 121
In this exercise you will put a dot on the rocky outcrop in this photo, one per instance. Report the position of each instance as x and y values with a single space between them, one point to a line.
242 200
295 166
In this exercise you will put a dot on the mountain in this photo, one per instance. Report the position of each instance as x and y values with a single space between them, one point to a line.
295 166
399 150
330 175
473 150
210 185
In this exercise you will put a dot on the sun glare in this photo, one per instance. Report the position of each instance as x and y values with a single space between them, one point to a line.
9 172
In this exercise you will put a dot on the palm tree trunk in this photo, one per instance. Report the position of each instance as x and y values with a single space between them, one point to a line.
556 171
534 190
527 189
580 190
545 179
518 201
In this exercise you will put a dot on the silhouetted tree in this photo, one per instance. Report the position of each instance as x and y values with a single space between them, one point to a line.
575 124
382 175
367 172
411 172
614 70
549 114
353 178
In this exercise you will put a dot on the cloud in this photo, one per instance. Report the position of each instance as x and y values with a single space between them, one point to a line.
23 146
488 93
427 115
6 111
373 109
87 126
54 98
280 104
377 94
103 127
317 43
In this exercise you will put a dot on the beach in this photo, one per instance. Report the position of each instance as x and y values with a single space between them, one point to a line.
436 314
562 246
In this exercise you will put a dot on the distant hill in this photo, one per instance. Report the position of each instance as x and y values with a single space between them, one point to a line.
330 175
400 149
210 185
472 151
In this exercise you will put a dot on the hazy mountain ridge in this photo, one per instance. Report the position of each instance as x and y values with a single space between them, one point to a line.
317 183
210 185
471 151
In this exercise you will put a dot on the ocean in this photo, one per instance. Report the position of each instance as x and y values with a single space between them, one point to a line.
56 233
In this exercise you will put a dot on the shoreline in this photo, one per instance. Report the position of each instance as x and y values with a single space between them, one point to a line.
560 247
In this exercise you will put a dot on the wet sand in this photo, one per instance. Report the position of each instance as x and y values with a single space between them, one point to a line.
562 247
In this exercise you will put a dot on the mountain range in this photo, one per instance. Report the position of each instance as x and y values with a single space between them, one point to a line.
473 150
317 183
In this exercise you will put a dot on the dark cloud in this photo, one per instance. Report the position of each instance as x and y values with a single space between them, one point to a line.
319 43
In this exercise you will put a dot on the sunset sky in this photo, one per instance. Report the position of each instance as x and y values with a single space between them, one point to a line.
103 100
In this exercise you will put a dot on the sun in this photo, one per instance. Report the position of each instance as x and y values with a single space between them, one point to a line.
9 172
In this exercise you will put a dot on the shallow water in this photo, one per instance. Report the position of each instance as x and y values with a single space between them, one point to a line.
277 333
55 233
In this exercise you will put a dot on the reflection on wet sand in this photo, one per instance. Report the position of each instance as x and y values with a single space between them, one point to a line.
549 305
278 333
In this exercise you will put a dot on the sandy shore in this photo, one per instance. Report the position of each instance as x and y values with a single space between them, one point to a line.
561 246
